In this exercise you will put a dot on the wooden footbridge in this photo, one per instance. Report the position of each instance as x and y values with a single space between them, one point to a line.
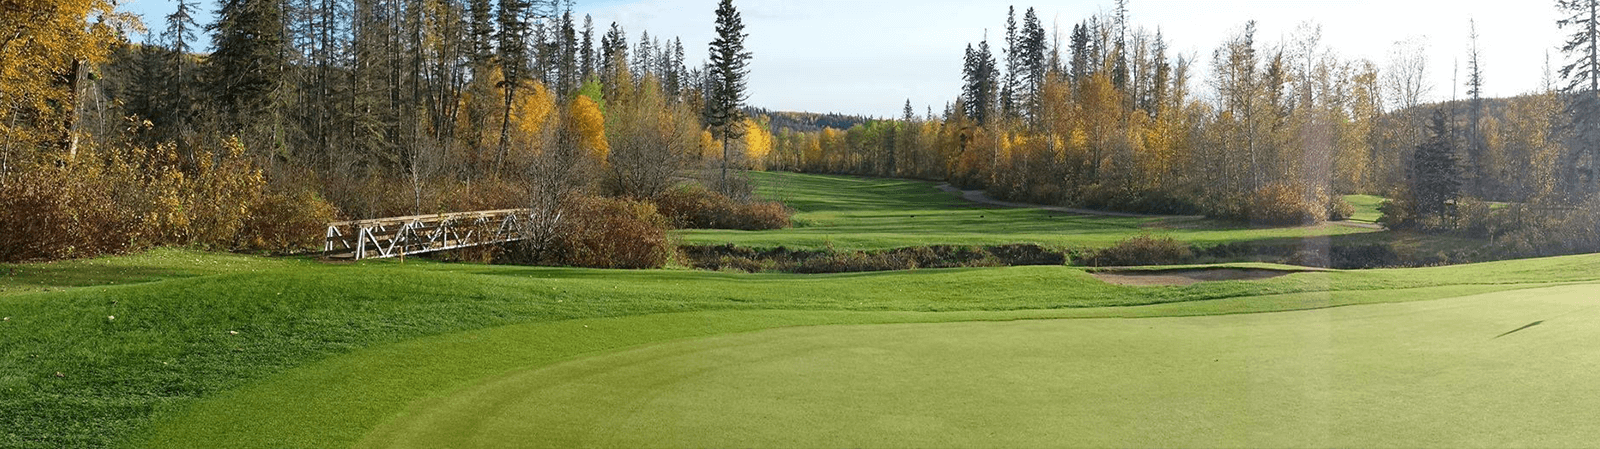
400 236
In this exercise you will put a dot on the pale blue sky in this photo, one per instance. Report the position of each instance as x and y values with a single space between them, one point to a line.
869 57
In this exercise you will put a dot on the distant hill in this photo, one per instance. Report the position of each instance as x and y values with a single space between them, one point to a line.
808 121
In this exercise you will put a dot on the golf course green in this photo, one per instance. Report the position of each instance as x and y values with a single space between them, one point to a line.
1499 370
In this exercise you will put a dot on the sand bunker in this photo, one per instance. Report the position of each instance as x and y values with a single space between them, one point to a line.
1186 277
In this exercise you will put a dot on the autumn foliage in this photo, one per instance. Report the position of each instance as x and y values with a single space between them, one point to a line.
113 202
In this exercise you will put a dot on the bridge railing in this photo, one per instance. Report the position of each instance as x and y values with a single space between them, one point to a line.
399 236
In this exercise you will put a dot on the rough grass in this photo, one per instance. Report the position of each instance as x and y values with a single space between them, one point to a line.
173 341
868 213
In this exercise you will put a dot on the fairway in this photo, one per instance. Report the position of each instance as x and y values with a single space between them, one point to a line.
1495 370
854 213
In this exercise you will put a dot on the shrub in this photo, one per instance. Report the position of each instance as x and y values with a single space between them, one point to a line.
135 198
597 232
286 222
694 207
1143 250
1339 210
52 212
1287 204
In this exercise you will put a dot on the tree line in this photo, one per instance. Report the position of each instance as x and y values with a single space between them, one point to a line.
1107 116
365 108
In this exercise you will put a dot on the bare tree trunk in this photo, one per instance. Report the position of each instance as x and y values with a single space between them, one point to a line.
69 137
726 152
505 125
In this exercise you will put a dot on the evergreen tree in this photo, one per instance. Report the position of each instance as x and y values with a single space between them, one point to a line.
1119 71
586 52
1082 55
729 68
481 33
1034 64
643 56
1583 75
179 33
673 79
981 75
1434 177
1583 45
1160 85
1475 142
247 66
1011 87
613 59
568 75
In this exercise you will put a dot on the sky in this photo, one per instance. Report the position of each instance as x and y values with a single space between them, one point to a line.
869 57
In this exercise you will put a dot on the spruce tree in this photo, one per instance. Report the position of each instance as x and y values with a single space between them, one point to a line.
1119 71
1011 87
728 70
1082 55
568 75
480 33
1034 64
1475 142
246 67
179 33
586 51
981 75
1163 76
1583 45
1434 175
1583 76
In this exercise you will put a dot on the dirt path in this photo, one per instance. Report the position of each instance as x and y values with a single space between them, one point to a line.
978 196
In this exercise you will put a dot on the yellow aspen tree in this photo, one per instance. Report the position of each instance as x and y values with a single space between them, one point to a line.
757 144
591 126
531 115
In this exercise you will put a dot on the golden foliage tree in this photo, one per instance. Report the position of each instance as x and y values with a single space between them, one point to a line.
46 50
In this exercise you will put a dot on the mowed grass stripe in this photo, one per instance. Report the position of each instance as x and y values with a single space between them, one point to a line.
334 403
1418 374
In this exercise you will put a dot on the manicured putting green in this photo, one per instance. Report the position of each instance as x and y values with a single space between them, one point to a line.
1501 370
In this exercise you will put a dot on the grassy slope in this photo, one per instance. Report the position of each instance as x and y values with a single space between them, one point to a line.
1418 373
867 213
1366 207
170 342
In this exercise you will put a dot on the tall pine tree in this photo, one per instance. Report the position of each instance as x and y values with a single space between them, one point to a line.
728 70
248 62
981 75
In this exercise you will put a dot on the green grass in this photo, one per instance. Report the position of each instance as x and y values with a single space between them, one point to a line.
865 213
1431 374
170 355
214 350
1366 207
159 264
